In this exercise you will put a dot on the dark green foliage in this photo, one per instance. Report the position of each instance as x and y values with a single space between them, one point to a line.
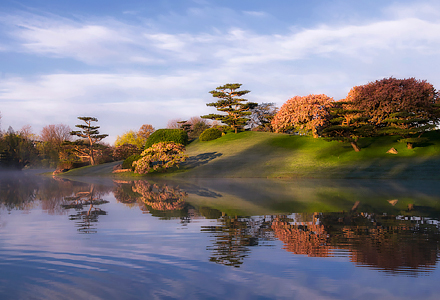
347 124
210 134
178 136
197 129
125 150
128 162
237 109
16 151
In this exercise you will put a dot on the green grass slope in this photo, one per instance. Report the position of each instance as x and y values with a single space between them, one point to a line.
259 154
99 170
270 155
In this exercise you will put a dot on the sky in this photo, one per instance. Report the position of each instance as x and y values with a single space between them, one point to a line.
136 62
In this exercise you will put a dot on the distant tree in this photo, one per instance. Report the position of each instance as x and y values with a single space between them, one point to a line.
404 107
146 130
185 125
16 151
55 134
162 155
135 138
125 150
262 116
237 109
91 134
26 132
51 140
174 124
303 114
198 125
130 138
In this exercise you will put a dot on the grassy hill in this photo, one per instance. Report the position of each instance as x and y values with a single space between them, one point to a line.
271 155
260 154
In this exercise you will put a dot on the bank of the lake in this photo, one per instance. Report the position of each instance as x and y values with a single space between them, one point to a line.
270 155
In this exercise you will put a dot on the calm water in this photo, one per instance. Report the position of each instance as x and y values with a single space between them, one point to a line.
238 239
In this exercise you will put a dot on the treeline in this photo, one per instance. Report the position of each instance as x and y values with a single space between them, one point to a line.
402 107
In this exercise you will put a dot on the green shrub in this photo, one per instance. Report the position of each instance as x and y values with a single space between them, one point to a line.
210 134
128 162
177 136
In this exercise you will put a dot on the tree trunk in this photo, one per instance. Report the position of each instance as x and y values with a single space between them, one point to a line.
409 145
355 146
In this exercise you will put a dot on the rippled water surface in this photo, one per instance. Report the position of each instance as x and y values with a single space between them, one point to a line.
243 239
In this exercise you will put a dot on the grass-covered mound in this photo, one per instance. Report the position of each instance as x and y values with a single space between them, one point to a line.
262 155
259 154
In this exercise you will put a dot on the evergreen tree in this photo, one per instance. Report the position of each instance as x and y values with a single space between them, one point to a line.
347 124
237 109
90 133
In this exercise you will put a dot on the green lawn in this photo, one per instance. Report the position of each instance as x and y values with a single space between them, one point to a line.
259 154
270 155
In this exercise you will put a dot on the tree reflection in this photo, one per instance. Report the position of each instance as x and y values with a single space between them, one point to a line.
160 200
87 218
233 238
395 243
389 243
303 237
17 191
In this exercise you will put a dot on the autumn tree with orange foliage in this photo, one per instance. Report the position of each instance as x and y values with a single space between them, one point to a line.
305 114
404 107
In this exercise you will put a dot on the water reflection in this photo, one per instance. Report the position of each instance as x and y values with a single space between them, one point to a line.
86 219
390 243
394 244
233 237
394 233
160 200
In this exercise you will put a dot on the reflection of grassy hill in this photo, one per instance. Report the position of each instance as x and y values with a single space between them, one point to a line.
98 170
257 154
248 197
270 155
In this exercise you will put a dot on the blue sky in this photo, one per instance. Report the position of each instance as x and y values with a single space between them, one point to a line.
136 62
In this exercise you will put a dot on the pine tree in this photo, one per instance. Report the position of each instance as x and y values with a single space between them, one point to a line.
347 124
237 109
91 133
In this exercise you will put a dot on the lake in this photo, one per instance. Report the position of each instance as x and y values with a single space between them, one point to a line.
95 238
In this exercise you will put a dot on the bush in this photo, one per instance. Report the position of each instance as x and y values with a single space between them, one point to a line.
210 134
128 162
125 150
160 156
177 136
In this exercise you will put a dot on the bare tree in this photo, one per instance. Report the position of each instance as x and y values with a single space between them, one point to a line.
174 124
55 134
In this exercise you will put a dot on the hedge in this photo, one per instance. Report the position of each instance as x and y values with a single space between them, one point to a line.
178 136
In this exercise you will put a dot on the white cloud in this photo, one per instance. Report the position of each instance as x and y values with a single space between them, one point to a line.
113 42
151 75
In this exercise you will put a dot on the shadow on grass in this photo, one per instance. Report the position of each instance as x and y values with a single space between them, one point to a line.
199 160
